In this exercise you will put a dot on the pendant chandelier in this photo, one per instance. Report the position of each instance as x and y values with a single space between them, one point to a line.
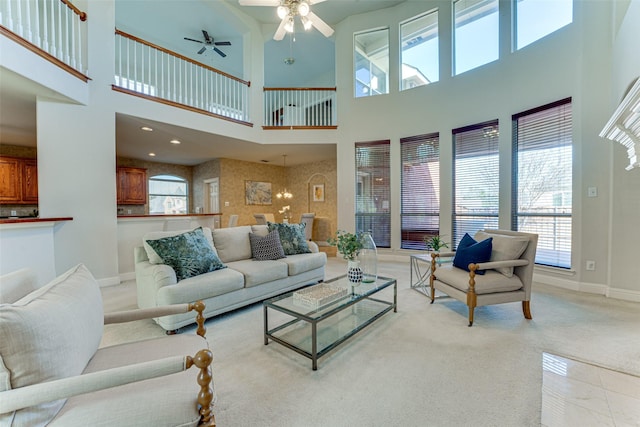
284 194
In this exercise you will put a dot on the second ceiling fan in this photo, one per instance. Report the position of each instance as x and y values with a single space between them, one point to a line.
210 43
288 10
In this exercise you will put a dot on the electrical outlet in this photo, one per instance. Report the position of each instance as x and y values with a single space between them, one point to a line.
590 265
14 213
592 192
129 211
226 204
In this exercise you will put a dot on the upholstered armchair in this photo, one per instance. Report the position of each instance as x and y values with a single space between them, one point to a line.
307 219
54 371
505 277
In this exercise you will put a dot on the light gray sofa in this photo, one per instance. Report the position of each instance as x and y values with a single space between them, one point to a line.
243 282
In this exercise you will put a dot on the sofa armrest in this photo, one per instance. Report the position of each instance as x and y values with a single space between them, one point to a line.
23 397
148 313
149 279
313 246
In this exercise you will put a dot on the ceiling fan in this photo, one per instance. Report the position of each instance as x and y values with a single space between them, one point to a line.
209 43
287 10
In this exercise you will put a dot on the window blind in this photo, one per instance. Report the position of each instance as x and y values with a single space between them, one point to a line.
476 179
542 176
420 187
373 194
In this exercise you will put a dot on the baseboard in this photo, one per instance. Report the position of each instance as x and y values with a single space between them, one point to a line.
590 288
624 294
127 276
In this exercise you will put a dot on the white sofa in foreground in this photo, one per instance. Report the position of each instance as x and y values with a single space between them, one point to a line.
243 280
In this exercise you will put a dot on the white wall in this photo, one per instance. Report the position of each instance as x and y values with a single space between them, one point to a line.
625 185
572 62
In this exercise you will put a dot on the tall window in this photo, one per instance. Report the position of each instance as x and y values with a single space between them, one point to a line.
476 33
542 179
373 192
420 214
535 19
168 195
419 50
476 178
371 51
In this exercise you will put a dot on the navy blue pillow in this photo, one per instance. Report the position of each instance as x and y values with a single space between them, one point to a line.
469 251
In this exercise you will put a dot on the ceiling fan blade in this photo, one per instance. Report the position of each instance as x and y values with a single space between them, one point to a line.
280 32
322 26
312 2
193 40
222 43
206 37
201 51
221 53
259 2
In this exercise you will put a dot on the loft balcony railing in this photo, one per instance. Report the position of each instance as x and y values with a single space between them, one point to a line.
152 72
300 108
53 29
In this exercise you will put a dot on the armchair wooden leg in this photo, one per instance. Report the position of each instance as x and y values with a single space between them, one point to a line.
526 309
471 310
203 360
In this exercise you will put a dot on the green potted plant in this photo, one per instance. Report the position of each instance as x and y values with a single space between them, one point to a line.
435 243
349 246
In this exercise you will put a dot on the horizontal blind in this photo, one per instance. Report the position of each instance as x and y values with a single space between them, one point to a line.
420 187
476 178
373 194
542 171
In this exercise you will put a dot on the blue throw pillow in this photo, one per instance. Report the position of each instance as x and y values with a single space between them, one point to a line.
292 237
469 251
189 254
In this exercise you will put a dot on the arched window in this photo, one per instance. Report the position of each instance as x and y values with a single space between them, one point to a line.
168 195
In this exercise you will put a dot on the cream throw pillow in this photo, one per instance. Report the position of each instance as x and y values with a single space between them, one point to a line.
49 334
504 248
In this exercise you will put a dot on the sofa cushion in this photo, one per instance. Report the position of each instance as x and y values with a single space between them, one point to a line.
267 247
504 248
49 334
292 236
154 258
233 243
189 254
259 272
491 282
201 287
301 263
469 251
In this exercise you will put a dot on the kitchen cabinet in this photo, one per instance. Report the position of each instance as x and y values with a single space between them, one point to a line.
18 181
132 186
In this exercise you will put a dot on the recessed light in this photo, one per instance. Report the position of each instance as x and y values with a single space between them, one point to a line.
152 154
174 141
147 128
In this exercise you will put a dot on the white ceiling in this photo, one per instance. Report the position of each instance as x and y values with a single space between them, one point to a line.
166 24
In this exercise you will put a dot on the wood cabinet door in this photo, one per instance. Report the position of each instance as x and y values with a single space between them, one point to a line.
10 180
30 181
132 186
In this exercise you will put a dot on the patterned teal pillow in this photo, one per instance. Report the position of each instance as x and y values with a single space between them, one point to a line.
189 254
292 237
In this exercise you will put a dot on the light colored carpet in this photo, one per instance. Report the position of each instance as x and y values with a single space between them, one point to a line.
422 366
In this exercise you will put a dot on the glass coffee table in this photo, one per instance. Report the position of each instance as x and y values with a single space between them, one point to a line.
313 332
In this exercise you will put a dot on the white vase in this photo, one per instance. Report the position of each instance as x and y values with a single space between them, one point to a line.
354 273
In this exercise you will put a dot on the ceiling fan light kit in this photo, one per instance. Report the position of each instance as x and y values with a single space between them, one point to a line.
287 10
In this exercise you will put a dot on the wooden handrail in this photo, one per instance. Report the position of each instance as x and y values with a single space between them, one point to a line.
177 55
267 89
81 14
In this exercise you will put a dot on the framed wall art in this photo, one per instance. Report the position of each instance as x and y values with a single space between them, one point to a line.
257 193
318 193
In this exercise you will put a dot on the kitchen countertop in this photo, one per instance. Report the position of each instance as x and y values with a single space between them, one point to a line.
168 216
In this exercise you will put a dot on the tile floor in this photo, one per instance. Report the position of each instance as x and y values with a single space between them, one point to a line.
578 394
